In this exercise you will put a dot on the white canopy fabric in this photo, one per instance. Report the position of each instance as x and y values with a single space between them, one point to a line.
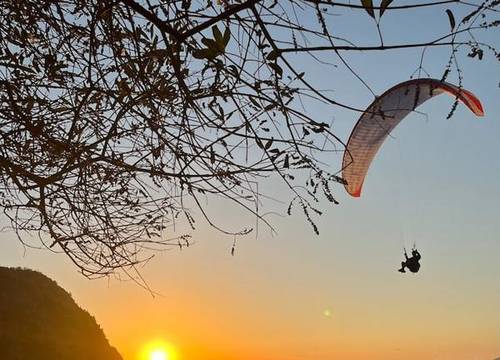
383 115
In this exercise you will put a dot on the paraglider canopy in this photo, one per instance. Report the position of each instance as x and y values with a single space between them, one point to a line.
383 115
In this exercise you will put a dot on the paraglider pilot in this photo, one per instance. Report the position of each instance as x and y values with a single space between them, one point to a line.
411 263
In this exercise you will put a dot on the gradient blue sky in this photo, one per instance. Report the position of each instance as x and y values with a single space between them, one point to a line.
435 182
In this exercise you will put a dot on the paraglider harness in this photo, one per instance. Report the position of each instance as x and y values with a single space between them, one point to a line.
412 263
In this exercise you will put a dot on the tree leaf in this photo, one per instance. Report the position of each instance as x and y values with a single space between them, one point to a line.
254 102
210 43
383 6
233 70
273 55
227 36
276 68
451 18
217 34
269 107
212 155
368 5
204 54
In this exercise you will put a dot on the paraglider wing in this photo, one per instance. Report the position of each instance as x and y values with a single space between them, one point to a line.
383 115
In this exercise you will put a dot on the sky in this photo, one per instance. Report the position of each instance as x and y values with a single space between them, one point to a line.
338 295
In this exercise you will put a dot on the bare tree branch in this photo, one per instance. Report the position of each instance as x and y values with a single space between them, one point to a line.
121 118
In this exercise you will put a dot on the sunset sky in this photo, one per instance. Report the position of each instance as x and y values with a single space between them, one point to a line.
298 296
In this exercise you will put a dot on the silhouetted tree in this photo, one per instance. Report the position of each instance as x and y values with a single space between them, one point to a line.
117 114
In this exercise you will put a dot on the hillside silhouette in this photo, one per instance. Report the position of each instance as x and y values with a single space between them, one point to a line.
40 320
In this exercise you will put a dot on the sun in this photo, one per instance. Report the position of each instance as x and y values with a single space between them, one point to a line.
158 350
159 354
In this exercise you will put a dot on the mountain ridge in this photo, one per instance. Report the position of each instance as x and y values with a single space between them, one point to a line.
41 320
